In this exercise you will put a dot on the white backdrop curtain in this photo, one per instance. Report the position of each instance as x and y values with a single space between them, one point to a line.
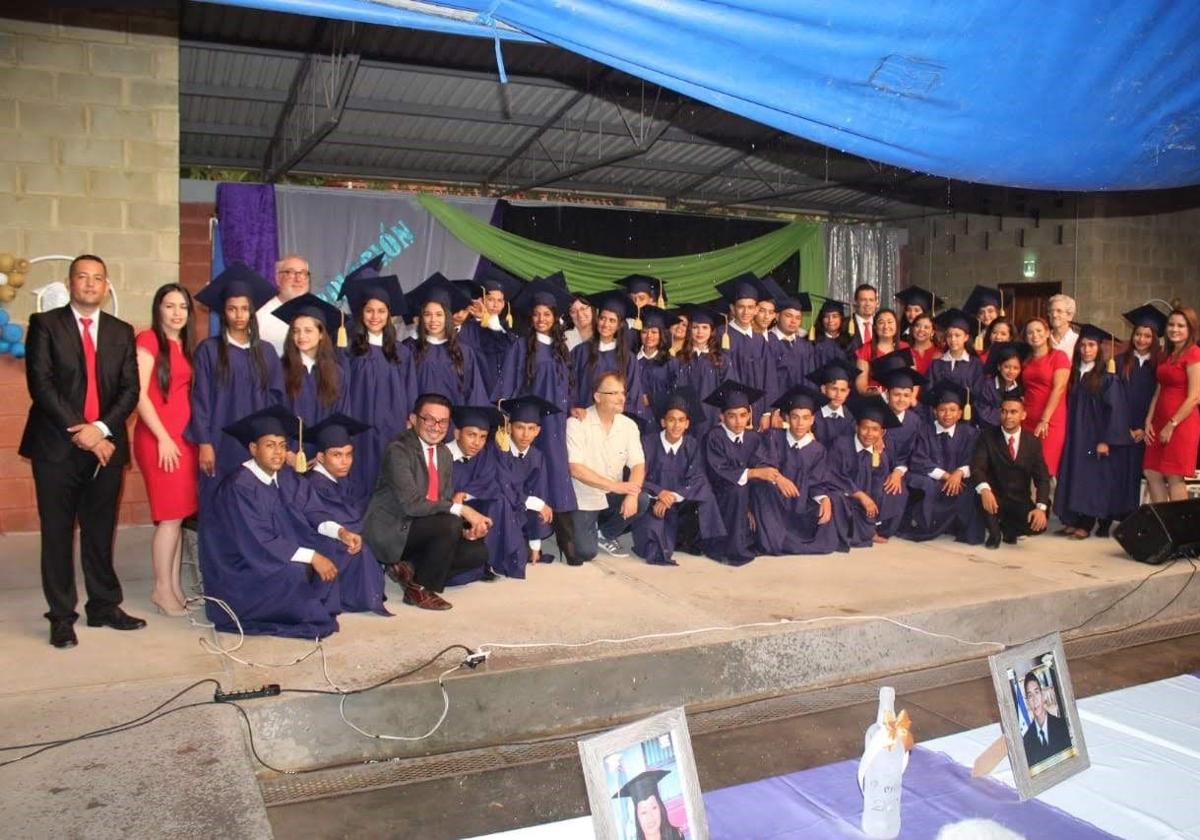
857 254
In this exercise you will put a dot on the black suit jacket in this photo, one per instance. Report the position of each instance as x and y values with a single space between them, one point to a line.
399 495
1057 736
1010 480
57 383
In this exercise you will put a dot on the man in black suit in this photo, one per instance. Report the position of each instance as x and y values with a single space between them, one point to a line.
82 376
412 527
1047 735
1007 462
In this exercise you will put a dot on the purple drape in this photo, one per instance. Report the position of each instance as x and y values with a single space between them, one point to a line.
249 232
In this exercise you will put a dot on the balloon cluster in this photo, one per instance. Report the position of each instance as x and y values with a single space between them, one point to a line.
12 277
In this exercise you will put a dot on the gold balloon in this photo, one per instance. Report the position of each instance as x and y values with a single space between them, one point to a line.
7 293
7 261
16 279
22 265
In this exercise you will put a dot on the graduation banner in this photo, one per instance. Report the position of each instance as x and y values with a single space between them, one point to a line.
689 278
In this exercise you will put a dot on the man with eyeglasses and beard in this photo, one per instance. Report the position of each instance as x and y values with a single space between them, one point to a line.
416 532
292 279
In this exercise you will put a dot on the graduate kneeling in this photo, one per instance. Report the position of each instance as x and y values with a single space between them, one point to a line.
861 464
258 551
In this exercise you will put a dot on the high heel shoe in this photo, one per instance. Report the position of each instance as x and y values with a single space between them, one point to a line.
170 612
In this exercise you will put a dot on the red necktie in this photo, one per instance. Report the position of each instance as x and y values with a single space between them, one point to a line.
432 493
866 332
91 399
1012 447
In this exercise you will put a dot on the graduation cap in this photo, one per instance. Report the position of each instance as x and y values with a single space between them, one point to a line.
956 318
1002 351
654 318
437 288
1099 335
238 280
872 408
698 313
982 296
901 378
543 292
495 279
558 279
830 305
676 315
635 283
943 391
272 420
684 398
368 269
386 289
800 396
800 301
335 430
528 409
774 290
890 362
312 306
1147 316
613 301
832 371
470 288
643 786
477 416
733 394
916 296
743 286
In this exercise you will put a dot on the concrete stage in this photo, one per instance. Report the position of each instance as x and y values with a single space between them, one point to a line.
827 654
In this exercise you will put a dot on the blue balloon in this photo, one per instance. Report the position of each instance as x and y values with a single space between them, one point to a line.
11 332
4 317
18 350
5 346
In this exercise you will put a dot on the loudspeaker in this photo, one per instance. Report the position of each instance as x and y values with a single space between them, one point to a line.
1156 533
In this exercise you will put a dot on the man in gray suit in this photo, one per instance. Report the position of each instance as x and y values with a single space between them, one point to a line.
419 536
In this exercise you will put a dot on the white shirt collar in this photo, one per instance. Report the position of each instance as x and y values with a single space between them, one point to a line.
731 435
375 340
748 331
940 429
431 339
455 452
859 447
544 339
1014 436
948 357
1000 383
1067 338
830 411
95 318
515 450
699 351
642 355
318 467
900 414
605 346
1141 357
802 442
1086 367
779 334
673 448
308 361
239 344
260 473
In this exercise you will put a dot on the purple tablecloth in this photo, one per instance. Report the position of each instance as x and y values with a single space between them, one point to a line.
825 802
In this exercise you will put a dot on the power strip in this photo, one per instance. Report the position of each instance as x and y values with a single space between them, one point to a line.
246 694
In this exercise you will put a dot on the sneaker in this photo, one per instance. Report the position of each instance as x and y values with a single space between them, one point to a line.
611 547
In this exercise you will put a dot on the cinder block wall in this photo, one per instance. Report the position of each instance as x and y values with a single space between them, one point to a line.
89 162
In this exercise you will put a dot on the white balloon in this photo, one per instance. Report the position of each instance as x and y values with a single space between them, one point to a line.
3 279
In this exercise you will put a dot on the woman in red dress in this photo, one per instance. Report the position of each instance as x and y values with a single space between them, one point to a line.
167 461
1045 378
885 338
924 348
1172 424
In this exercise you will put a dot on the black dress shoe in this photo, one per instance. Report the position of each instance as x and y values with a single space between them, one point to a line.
62 634
1011 540
993 541
117 619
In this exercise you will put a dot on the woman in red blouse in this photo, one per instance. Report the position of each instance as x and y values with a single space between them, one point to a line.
885 338
1172 424
1045 378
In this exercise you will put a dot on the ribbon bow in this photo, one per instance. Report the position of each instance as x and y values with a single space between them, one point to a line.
897 727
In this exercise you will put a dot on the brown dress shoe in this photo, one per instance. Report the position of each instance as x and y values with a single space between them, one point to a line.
402 572
421 597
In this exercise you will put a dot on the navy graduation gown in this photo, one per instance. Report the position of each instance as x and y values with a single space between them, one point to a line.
381 393
527 477
1136 392
985 405
655 382
725 462
654 539
789 526
435 374
829 429
900 441
551 382
219 401
251 532
360 577
793 361
852 472
699 373
933 513
831 350
606 360
1087 484
493 347
968 374
308 406
484 478
753 365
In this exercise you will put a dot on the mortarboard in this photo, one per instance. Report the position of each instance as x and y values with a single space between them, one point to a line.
528 409
542 292
635 283
470 288
386 289
684 399
437 288
676 316
1147 316
272 420
1095 333
799 301
477 416
335 430
612 301
901 378
654 318
312 306
916 296
698 313
238 280
980 297
642 786
800 396
743 286
831 305
872 408
733 394
832 371
943 391
368 269
956 318
495 279
558 279
1002 351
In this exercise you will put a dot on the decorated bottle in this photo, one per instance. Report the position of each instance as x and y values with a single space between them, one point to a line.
881 770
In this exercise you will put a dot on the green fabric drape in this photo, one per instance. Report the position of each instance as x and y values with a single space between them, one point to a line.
689 279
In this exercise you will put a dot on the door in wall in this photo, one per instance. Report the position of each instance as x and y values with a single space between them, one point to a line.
1023 301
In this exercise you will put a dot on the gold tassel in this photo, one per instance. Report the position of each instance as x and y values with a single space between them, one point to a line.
508 315
1002 315
301 465
637 322
875 458
1111 367
979 337
503 436
342 340
967 407
725 345
812 331
662 295
853 323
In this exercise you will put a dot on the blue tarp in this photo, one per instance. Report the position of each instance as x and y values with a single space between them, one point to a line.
1067 94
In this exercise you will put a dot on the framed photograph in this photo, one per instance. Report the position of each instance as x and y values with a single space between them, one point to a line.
1038 715
641 781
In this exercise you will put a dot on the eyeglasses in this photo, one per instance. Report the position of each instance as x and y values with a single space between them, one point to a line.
433 421
293 272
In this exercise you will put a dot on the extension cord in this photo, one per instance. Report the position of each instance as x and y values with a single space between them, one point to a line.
246 694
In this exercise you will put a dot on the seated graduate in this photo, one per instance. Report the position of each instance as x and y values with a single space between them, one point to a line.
834 419
795 515
900 382
861 463
258 550
480 478
338 498
683 509
939 478
527 475
412 526
1002 375
1007 462
733 459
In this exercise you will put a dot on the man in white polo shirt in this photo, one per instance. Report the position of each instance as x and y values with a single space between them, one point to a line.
604 449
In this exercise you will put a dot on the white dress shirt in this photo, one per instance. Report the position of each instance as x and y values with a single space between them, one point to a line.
94 332
937 473
745 476
800 443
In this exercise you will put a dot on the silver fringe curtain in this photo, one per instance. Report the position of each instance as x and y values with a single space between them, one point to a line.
857 254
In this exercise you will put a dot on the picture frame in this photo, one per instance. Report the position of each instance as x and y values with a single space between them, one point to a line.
1044 748
644 770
